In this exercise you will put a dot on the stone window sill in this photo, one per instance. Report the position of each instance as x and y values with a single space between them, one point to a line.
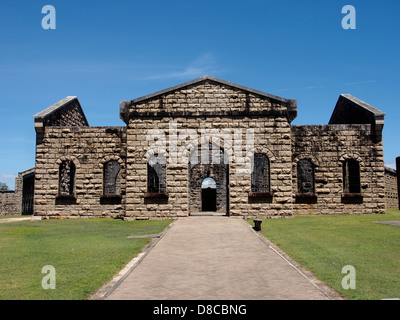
261 195
111 196
352 198
110 199
157 195
306 196
352 195
66 197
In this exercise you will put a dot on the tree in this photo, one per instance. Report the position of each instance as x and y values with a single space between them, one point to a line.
3 186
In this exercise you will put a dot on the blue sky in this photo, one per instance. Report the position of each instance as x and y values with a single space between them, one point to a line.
107 51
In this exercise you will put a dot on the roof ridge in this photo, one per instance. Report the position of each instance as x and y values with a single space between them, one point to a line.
54 107
203 78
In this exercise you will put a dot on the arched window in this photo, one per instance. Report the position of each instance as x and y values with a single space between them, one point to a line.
305 177
260 176
156 175
111 178
351 176
66 178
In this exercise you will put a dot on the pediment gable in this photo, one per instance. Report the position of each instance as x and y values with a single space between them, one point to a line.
66 112
207 96
351 110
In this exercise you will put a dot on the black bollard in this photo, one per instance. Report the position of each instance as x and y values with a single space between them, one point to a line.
257 224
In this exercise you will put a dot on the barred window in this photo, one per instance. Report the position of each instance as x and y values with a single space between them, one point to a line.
112 178
260 176
66 178
351 176
156 175
305 176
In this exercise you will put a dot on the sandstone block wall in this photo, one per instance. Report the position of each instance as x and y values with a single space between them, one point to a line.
89 148
9 202
327 146
209 107
276 145
391 192
207 98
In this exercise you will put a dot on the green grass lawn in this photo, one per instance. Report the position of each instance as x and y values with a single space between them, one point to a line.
85 253
325 244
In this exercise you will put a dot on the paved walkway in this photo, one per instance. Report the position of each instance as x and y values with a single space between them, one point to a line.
6 220
214 258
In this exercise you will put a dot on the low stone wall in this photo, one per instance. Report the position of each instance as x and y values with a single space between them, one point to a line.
10 202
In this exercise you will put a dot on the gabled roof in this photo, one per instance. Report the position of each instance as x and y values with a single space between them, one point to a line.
207 77
55 111
290 103
351 110
376 112
48 111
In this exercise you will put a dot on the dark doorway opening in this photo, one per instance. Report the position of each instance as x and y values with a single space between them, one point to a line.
208 199
208 195
28 185
209 175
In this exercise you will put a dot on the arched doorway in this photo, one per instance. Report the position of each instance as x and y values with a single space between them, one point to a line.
208 195
216 198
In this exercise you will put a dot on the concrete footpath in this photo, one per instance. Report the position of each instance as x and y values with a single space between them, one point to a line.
203 258
6 220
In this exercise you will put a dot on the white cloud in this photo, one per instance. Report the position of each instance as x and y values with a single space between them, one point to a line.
203 65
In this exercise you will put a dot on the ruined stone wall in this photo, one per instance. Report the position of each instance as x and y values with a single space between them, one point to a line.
11 200
88 148
194 110
391 192
328 146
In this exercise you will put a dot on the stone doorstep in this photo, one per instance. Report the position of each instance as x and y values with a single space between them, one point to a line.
207 213
109 287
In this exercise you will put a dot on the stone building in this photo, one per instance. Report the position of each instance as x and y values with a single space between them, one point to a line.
209 146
